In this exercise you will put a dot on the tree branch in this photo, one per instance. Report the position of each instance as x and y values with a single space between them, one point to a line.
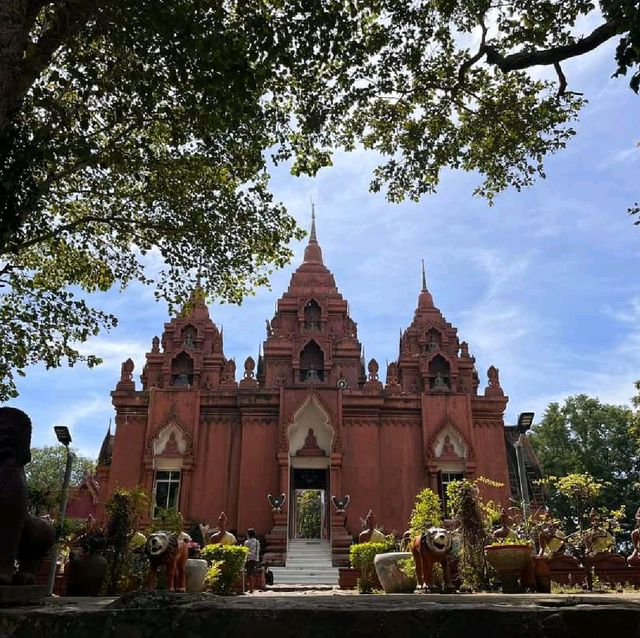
526 59
562 78
69 19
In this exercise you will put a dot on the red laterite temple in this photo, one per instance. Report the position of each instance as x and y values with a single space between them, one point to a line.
309 414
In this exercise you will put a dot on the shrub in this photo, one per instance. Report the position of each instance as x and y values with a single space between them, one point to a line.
361 557
124 509
465 501
230 559
427 512
166 520
212 579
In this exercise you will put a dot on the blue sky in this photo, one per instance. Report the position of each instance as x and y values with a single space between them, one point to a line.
545 285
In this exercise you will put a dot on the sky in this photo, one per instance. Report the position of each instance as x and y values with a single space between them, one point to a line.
545 285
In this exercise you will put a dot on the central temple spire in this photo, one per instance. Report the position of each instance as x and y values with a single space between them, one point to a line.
312 236
313 252
425 300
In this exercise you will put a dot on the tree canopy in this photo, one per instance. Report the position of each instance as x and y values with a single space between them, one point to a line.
45 474
585 436
137 133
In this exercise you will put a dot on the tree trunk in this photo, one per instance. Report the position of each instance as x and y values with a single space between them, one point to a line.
13 38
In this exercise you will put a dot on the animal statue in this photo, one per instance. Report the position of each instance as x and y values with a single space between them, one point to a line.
370 534
165 548
431 547
220 535
276 502
341 504
634 559
23 538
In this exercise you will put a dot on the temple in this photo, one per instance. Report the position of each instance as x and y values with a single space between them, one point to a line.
309 414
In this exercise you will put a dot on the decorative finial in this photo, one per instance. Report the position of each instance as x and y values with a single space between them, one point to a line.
312 235
424 278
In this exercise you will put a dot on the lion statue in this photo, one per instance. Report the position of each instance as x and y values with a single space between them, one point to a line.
170 550
23 538
431 547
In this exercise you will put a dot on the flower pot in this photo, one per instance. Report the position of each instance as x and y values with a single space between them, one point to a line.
392 578
510 561
195 570
86 574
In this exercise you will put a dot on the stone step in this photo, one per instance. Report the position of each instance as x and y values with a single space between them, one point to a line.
287 579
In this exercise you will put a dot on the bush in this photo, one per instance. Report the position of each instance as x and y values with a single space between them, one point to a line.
466 503
361 557
214 573
124 509
166 520
230 560
427 512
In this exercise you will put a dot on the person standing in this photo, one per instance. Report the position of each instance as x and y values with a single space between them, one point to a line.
252 565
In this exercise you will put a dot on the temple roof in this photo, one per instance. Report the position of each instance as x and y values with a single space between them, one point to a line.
106 449
312 273
425 300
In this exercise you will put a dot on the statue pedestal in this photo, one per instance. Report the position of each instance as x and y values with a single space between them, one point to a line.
14 595
340 540
276 550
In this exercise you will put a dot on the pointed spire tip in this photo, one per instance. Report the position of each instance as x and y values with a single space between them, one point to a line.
312 235
424 278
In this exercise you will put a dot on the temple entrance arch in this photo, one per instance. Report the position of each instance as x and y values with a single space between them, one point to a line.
310 437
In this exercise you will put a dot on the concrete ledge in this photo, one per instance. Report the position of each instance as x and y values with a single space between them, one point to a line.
318 615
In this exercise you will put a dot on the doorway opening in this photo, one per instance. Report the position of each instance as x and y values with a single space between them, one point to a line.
309 487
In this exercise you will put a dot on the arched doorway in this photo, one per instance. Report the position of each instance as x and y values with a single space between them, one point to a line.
310 437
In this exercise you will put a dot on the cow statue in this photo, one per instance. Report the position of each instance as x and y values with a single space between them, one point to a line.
431 547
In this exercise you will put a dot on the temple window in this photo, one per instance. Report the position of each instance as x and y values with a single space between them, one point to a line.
182 371
312 363
439 371
312 315
166 490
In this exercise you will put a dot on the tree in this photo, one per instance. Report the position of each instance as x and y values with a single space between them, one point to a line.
131 131
585 436
309 514
130 128
450 87
45 475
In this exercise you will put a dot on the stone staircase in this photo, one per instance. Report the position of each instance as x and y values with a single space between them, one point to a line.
308 563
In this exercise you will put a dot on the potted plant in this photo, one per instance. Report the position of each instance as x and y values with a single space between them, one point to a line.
195 568
512 558
226 564
361 557
88 568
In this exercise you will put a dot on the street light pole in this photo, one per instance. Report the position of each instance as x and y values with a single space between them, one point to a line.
62 432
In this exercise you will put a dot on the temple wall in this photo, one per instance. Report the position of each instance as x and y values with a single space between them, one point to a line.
382 470
259 475
128 450
214 485
492 460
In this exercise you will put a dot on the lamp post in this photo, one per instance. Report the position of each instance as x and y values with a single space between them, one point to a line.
525 421
63 435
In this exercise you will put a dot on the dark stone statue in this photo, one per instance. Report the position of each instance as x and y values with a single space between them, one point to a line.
23 538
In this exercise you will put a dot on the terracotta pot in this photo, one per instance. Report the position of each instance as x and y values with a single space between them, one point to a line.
392 578
86 575
510 561
195 570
